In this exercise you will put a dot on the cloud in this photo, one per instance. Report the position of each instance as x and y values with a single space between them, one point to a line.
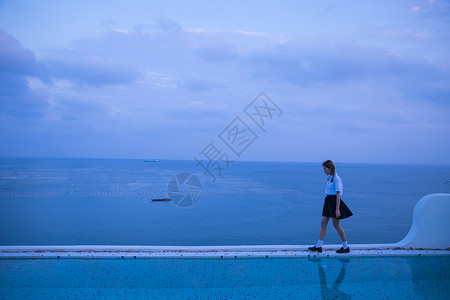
329 65
14 59
420 80
304 65
19 100
433 10
160 80
90 70
78 109
197 111
16 97
167 24
200 85
219 52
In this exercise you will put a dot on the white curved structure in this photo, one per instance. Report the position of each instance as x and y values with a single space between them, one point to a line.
431 223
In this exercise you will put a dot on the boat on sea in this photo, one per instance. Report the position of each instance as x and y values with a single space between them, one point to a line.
161 199
151 160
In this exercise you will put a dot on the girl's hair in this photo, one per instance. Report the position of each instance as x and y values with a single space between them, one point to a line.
330 165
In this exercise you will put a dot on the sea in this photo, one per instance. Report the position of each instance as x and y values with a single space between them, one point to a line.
62 201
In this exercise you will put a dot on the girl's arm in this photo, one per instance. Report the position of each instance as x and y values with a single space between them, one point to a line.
338 204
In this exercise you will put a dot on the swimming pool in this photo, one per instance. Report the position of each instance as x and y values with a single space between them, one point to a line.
240 277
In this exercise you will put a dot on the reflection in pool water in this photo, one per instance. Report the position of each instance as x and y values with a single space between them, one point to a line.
332 292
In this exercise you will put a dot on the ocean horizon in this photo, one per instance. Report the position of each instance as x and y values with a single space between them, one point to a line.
70 201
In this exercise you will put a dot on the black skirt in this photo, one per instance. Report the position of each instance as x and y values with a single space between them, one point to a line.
329 208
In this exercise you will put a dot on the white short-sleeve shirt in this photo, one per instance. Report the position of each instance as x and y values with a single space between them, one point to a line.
335 186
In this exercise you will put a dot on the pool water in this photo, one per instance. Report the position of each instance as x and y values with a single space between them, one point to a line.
373 277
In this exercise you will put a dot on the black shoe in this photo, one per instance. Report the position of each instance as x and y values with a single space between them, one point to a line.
314 248
342 250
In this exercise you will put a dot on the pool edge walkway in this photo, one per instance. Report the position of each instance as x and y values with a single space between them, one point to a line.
210 251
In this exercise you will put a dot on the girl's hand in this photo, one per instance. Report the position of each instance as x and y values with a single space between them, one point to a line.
338 214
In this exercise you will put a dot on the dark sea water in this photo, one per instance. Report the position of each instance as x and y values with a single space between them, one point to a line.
108 202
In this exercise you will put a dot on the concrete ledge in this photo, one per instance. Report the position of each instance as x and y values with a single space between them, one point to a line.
210 251
187 248
243 248
219 253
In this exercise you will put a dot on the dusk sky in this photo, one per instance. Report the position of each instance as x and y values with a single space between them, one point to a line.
356 81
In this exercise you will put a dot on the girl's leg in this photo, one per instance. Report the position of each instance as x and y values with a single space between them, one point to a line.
323 227
340 231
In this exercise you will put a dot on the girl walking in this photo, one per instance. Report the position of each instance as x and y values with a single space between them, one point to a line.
333 208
